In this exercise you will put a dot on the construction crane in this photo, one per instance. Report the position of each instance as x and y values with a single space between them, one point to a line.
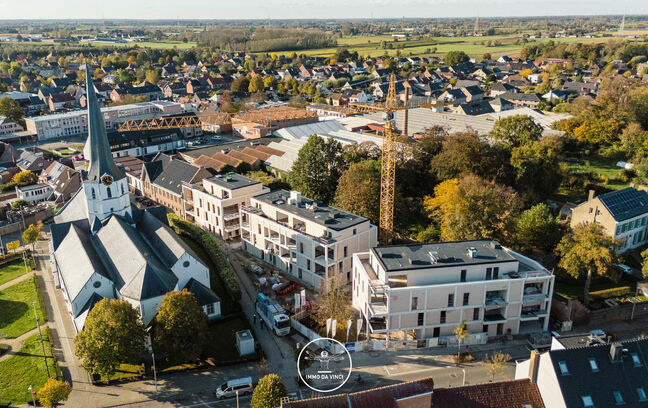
388 171
171 122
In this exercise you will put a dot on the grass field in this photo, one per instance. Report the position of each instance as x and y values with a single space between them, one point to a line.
12 270
604 169
26 368
370 45
17 310
151 44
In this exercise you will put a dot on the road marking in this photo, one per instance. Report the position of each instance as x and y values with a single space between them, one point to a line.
397 373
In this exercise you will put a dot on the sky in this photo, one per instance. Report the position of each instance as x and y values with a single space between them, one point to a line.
280 9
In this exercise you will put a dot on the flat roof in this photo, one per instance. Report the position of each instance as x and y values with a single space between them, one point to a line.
445 254
312 210
232 181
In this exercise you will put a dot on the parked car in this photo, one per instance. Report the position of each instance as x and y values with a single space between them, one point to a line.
229 389
624 268
79 157
216 138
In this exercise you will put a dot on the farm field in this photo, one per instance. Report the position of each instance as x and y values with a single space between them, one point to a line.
370 45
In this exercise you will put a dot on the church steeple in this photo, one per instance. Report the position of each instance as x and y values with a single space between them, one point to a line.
105 185
97 149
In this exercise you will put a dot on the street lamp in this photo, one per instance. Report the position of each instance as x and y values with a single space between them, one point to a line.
40 337
464 376
153 357
634 303
30 388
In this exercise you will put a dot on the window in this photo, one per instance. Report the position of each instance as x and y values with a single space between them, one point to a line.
414 303
618 398
210 309
463 275
420 319
346 251
476 313
593 365
96 284
466 299
451 300
635 360
496 272
185 264
641 394
94 195
436 332
591 210
301 247
587 401
489 272
442 319
354 231
563 368
109 192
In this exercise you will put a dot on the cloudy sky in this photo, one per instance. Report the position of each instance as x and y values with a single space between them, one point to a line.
276 9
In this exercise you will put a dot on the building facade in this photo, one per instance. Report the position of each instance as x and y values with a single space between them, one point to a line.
215 203
35 193
623 214
429 289
304 238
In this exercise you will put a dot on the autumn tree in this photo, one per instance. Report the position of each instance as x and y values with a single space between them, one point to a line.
516 130
584 251
25 177
256 84
240 84
537 228
113 334
644 264
18 204
54 392
538 167
317 169
153 76
31 235
180 329
268 392
334 304
496 362
269 82
461 333
473 208
358 189
13 245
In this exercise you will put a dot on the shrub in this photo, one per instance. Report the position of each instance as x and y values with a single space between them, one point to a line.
612 292
213 250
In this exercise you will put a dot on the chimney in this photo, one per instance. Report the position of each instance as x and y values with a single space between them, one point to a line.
534 365
295 198
472 252
616 352
591 194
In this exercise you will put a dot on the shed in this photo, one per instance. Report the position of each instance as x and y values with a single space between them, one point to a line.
244 342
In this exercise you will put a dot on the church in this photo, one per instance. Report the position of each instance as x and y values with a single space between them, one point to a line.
103 247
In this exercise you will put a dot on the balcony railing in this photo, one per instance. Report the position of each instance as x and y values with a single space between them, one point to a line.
534 298
494 302
230 216
377 309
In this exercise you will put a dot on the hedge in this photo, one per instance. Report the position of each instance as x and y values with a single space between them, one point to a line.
612 292
213 250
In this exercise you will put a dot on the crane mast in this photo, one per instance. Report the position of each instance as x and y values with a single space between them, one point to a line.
388 168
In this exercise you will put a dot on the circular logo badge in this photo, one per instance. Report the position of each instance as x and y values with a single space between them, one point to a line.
324 364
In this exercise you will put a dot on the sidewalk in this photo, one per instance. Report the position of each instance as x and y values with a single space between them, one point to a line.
16 344
17 280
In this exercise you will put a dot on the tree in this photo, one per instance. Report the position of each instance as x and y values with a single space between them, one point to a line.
516 130
537 228
473 208
268 392
53 392
12 110
113 334
584 250
25 177
153 76
496 362
461 333
256 84
358 188
180 328
31 235
644 264
269 82
334 304
461 154
240 84
455 57
317 169
18 204
13 245
538 167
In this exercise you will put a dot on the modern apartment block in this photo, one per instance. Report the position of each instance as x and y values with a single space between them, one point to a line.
623 214
214 203
307 239
428 289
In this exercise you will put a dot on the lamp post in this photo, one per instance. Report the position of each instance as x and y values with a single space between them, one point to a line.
153 357
634 304
31 391
237 400
464 376
40 337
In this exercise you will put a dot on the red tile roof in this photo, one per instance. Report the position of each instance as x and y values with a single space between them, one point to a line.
501 394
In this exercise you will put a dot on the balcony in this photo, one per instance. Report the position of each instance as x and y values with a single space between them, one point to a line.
231 228
245 226
377 324
494 300
494 318
230 216
534 298
378 309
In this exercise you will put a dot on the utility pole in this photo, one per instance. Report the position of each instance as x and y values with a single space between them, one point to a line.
154 369
40 337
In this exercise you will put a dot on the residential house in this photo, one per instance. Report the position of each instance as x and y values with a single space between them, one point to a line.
35 193
623 214
8 126
63 179
520 99
32 161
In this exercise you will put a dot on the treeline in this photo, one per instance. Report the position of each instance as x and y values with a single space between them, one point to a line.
625 51
264 40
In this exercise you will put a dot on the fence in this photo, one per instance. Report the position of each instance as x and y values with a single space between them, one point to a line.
573 310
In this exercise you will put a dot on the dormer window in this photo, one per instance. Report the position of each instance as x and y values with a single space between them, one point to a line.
587 401
593 365
618 398
635 360
563 368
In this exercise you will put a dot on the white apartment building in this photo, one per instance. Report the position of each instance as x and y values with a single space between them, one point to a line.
76 123
307 239
428 289
215 203
8 126
35 193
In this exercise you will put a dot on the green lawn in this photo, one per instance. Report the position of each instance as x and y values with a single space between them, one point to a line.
26 368
12 270
215 281
573 289
222 342
595 170
17 310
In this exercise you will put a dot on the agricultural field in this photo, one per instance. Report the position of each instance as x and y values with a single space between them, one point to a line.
370 45
166 44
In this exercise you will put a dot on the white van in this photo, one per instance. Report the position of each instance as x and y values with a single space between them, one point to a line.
242 385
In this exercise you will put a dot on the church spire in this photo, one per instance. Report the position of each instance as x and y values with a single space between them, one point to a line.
97 149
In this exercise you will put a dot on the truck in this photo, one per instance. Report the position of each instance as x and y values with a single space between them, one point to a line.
273 315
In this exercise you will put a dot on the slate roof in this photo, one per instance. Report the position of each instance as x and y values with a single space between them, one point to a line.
623 376
625 204
502 394
169 173
204 295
